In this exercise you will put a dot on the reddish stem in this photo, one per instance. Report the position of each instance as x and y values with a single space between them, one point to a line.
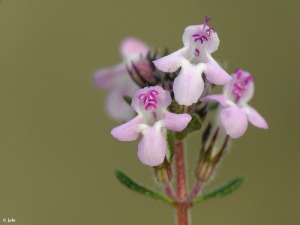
169 192
195 191
182 204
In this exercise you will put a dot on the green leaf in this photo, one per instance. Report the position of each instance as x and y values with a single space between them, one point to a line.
213 105
125 180
224 190
127 99
194 124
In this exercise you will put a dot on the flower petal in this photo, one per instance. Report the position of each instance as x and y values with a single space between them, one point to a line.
132 48
175 122
219 98
214 73
234 120
152 147
114 102
255 118
128 131
108 77
188 85
170 63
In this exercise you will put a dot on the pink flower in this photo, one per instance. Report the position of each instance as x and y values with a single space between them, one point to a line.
118 81
194 59
235 112
152 121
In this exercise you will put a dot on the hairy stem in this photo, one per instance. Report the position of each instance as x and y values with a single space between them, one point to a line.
182 203
195 191
169 192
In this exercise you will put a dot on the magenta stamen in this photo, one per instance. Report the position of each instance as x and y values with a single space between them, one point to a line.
152 101
150 106
248 79
196 37
154 92
201 38
197 52
209 30
149 99
142 96
241 84
239 74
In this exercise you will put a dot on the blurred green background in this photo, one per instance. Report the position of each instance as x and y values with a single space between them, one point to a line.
57 157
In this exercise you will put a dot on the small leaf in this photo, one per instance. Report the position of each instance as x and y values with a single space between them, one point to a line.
224 190
127 99
213 105
124 179
194 124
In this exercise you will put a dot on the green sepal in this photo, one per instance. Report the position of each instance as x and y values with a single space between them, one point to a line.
125 180
171 145
174 107
127 99
213 106
224 190
194 124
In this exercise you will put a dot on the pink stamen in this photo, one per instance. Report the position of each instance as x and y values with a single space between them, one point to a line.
201 38
149 100
196 37
248 79
150 106
142 96
209 30
152 101
241 84
154 92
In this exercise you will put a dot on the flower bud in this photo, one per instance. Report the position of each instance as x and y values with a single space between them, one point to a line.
205 170
163 172
211 155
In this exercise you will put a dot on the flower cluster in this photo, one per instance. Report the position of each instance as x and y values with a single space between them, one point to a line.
166 91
